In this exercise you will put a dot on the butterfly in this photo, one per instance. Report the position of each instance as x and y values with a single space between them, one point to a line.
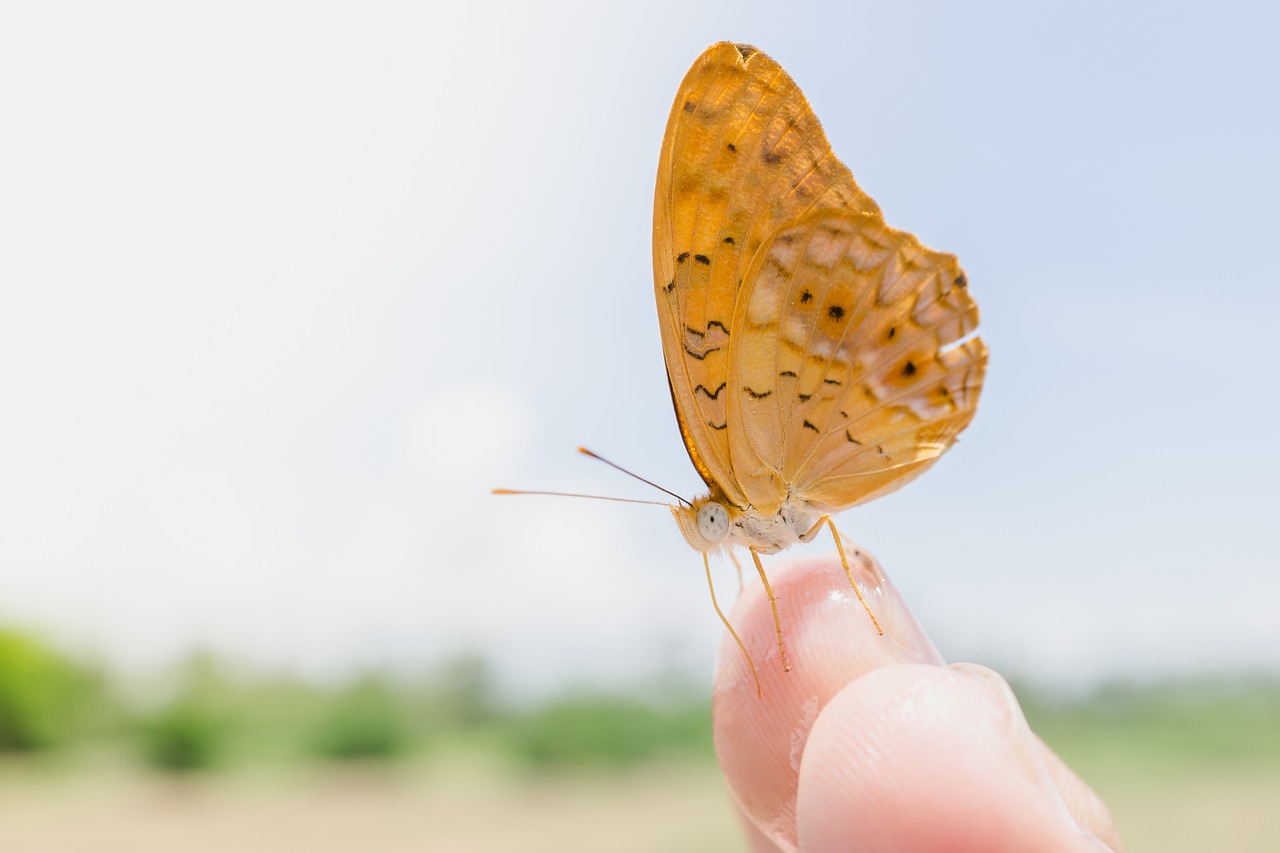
817 358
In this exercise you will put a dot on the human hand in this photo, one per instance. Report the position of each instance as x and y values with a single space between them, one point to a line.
873 743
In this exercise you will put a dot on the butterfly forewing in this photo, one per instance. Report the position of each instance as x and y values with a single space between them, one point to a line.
743 154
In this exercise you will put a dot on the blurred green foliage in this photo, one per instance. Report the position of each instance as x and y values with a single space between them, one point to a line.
215 719
182 738
1171 724
44 696
614 731
462 694
366 721
188 733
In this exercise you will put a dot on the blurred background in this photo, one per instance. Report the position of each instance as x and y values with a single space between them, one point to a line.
286 288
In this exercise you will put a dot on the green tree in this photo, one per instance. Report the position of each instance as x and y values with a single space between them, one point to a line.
43 695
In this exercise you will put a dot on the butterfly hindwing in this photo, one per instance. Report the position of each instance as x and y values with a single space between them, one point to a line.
847 380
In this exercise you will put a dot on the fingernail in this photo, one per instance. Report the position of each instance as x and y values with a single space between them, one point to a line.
1025 745
999 688
902 632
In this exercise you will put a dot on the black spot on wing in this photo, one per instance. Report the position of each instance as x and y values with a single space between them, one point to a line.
729 240
831 382
808 425
722 326
682 257
702 259
909 369
790 373
724 425
699 355
805 296
756 395
835 312
852 439
689 106
710 394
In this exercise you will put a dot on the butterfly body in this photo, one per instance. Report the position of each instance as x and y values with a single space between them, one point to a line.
747 527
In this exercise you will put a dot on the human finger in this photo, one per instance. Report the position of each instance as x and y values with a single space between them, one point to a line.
830 641
917 758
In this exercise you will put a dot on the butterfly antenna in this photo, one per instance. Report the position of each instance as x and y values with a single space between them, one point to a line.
575 495
615 466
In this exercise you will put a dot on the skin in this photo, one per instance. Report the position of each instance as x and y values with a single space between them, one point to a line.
873 743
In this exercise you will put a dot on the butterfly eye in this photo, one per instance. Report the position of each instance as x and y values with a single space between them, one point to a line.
713 521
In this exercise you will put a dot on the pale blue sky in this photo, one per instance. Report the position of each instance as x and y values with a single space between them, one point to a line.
286 288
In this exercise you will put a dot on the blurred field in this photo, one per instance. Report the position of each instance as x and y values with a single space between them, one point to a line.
217 762
1210 809
1183 766
673 807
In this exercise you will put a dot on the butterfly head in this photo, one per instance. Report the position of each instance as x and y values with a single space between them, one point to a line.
706 523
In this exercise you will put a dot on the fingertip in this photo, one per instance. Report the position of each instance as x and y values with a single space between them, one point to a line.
927 758
850 733
830 641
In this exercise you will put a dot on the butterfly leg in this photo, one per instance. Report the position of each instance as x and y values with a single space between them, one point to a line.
773 603
737 566
844 561
706 564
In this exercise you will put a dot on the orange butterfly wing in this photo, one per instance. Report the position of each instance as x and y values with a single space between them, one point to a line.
743 154
848 359
812 351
